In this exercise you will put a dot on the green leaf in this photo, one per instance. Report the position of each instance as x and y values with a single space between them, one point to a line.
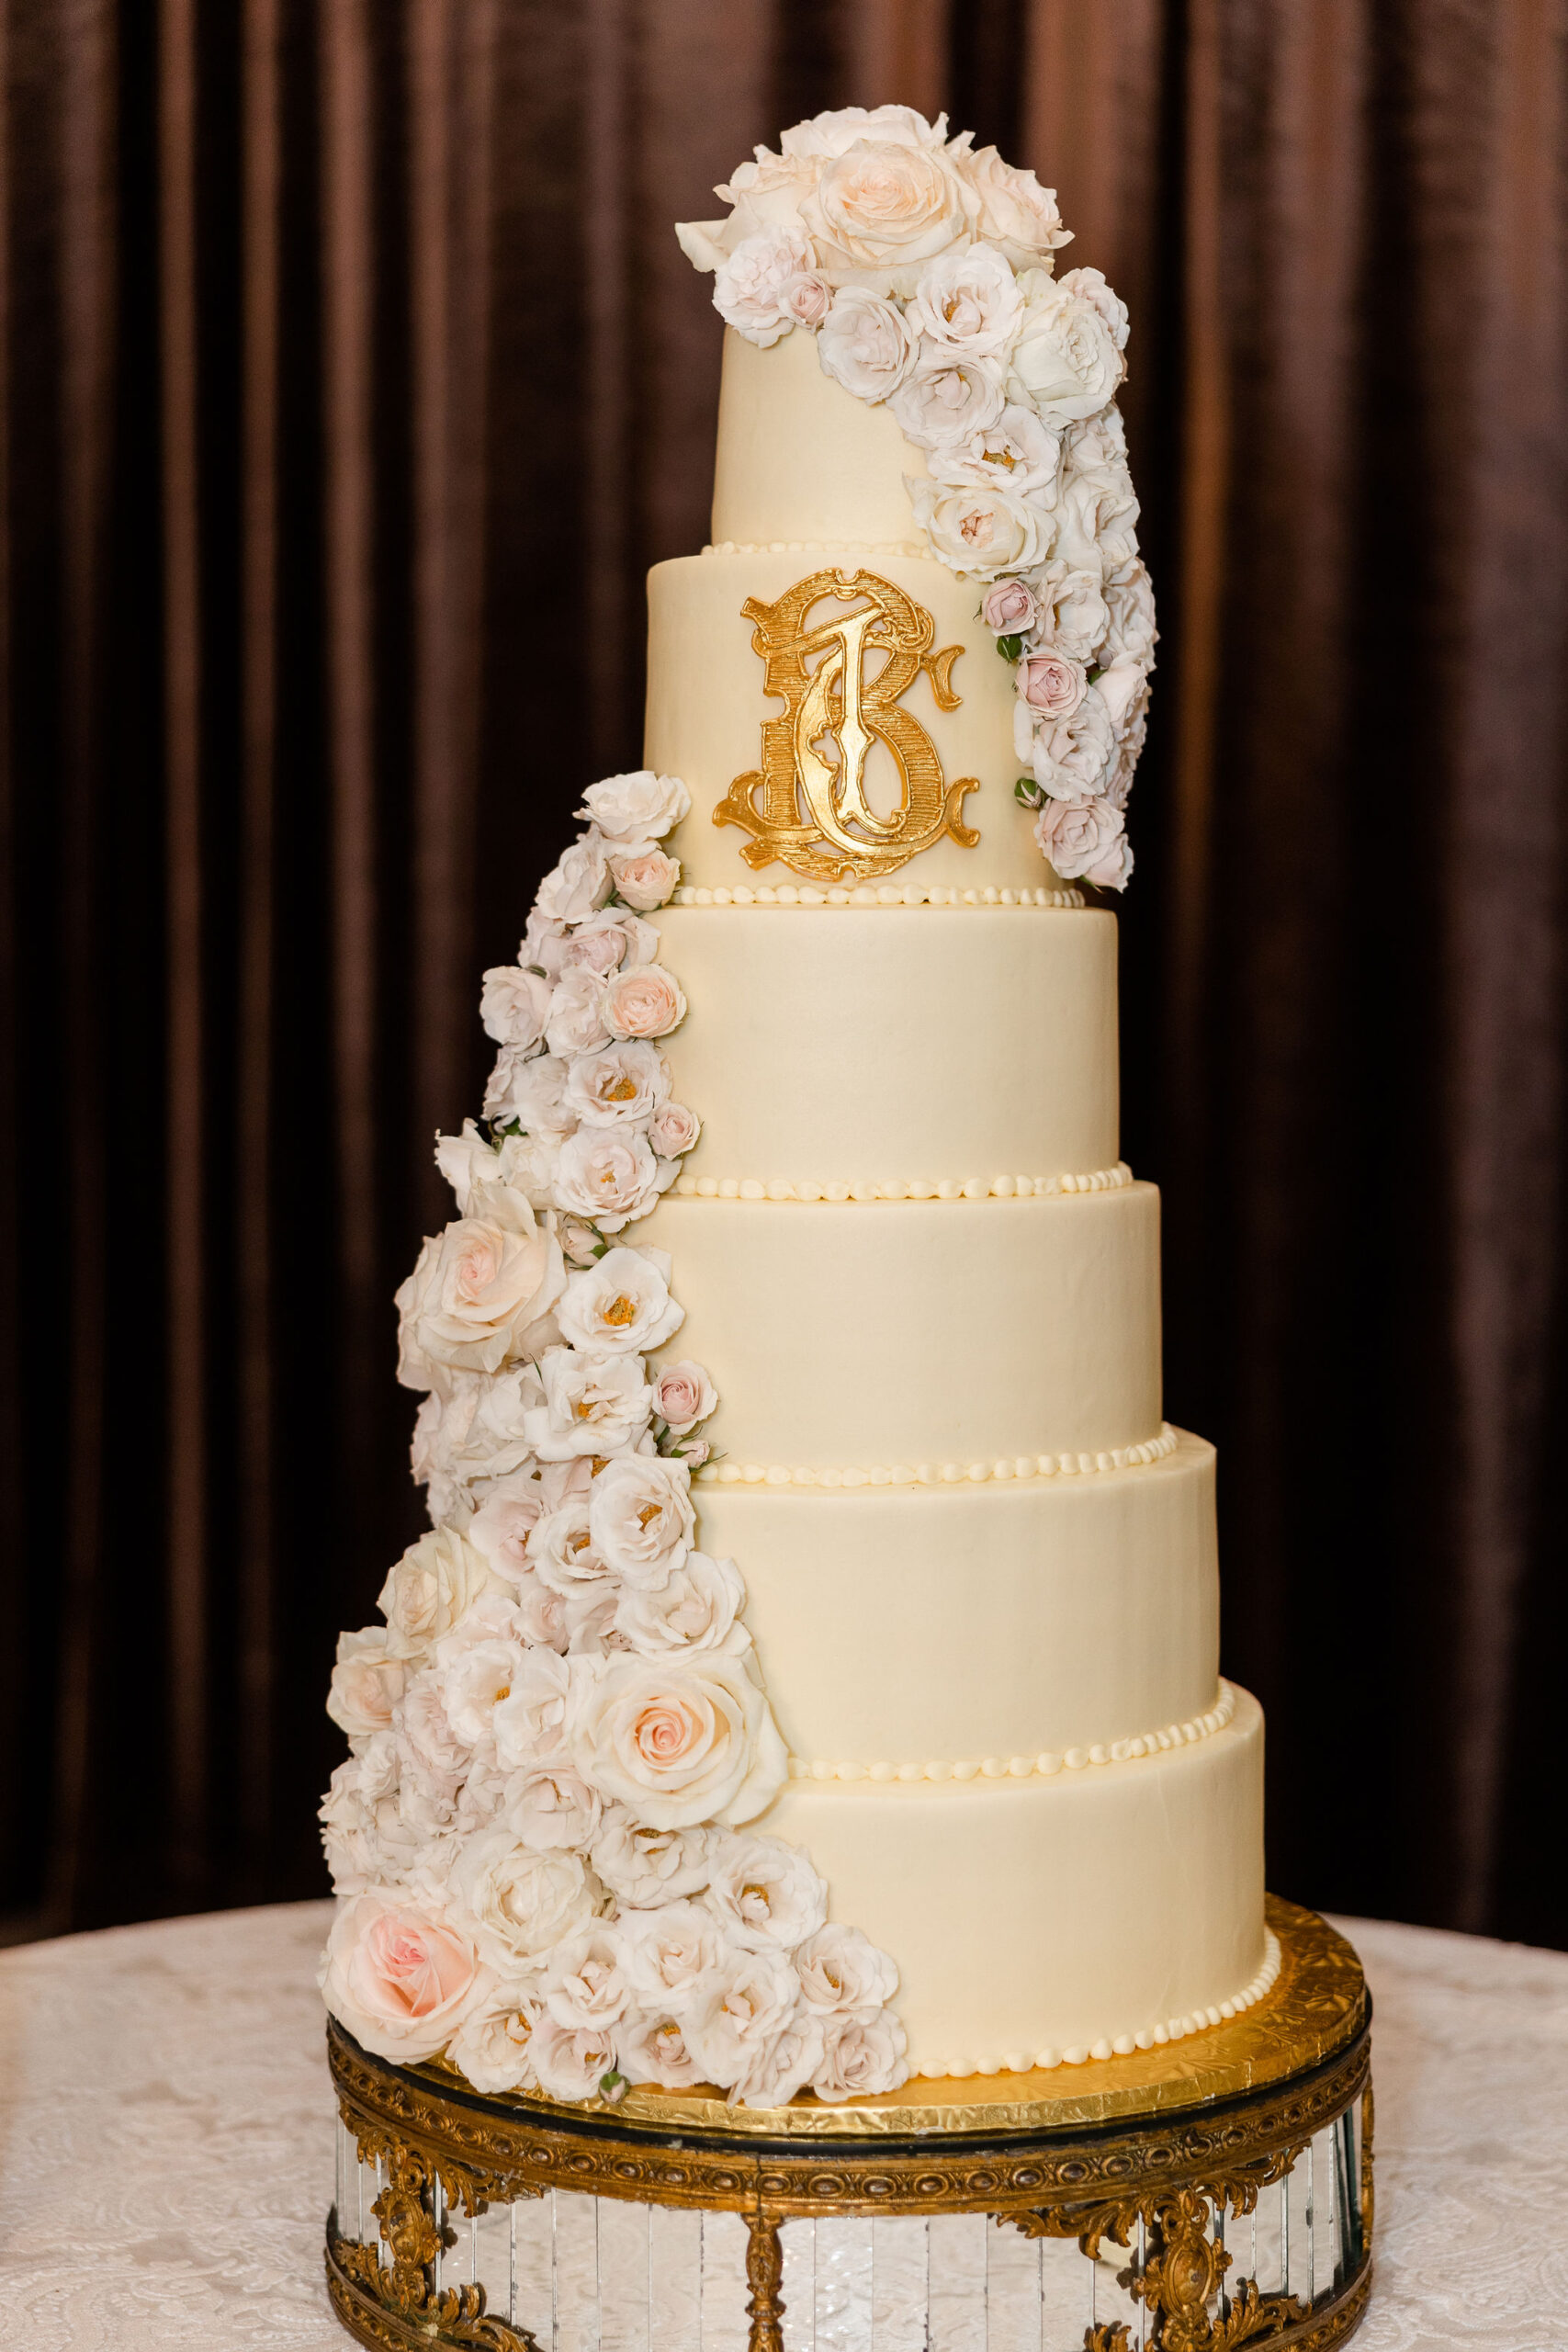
1009 648
1096 674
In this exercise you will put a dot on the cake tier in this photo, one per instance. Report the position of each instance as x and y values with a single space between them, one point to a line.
889 1045
921 1332
798 458
919 1628
706 708
1034 1919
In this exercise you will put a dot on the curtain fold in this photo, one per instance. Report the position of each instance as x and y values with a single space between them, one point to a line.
350 379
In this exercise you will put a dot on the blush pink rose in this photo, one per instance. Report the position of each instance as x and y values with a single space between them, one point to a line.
1009 608
673 1129
683 1396
646 878
1051 685
644 1003
1085 838
400 1981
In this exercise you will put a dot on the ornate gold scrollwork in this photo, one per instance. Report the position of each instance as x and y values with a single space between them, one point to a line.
405 2289
813 813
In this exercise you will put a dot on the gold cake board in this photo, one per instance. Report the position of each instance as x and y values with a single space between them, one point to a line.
1171 2140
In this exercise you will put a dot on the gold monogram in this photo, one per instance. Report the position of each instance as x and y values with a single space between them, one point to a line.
808 810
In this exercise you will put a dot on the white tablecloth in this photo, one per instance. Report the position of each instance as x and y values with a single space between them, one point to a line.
166 2143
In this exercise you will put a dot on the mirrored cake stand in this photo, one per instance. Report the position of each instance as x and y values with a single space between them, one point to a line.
1213 2194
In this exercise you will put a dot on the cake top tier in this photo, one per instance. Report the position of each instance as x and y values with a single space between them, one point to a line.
905 375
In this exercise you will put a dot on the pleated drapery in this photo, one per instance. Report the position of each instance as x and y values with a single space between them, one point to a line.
350 379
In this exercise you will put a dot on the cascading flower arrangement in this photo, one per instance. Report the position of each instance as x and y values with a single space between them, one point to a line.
559 1731
924 270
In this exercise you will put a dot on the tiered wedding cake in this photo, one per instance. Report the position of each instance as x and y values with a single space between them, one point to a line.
811 1677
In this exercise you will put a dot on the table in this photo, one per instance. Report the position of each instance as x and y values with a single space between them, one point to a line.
166 2152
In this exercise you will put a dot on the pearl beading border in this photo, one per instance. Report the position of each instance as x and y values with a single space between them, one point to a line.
1020 1468
920 548
1147 2038
884 894
971 1188
1045 1765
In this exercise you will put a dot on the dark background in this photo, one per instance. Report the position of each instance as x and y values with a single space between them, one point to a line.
350 377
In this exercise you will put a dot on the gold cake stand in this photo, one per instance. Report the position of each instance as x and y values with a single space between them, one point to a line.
1155 2152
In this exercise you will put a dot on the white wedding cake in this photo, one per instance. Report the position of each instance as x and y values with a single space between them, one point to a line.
810 1679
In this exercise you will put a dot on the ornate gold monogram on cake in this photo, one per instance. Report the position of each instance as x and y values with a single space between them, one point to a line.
807 804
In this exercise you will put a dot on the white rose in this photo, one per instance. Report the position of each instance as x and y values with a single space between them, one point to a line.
643 1867
675 1955
469 1164
518 1903
593 1404
1089 285
890 204
619 1085
501 1526
476 1682
621 1304
766 1893
401 1981
562 1551
476 1289
683 1396
755 1999
349 1839
530 1166
652 2049
679 1740
576 1023
588 1982
480 1798
1018 452
513 1005
1096 514
474 1430
977 530
765 193
1017 215
784 2065
490 2047
841 1971
367 1682
552 1806
541 943
1122 687
578 884
1129 631
751 286
590 1621
532 1724
436 1581
1071 618
641 1515
607 1176
645 879
968 302
537 1096
638 806
861 2055
829 134
945 401
672 1130
1064 360
694 1610
1077 835
866 344
431 1749
571 2063
607 940
646 1003
1072 757
542 1613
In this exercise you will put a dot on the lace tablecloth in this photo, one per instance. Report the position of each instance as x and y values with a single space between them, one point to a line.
166 2151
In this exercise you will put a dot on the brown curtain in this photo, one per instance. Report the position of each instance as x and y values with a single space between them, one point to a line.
350 377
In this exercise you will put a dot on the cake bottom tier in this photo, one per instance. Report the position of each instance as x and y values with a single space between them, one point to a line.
1033 1920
